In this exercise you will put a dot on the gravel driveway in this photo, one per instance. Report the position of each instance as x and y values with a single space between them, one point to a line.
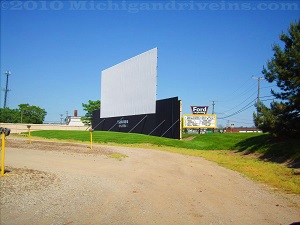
67 183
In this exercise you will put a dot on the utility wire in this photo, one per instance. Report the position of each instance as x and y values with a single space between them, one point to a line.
267 96
235 91
236 121
249 105
270 99
241 94
241 102
268 86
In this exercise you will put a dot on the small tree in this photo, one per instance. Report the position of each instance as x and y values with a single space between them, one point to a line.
283 118
89 108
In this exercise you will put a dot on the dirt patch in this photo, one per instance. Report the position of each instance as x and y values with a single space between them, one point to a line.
67 183
22 181
189 138
66 147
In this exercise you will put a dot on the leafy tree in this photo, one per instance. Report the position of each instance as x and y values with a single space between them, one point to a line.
89 108
283 117
32 114
265 120
9 115
24 114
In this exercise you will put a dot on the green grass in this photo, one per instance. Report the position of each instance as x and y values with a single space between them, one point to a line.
214 147
247 142
118 156
200 142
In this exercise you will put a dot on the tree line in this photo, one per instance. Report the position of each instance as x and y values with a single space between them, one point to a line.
25 113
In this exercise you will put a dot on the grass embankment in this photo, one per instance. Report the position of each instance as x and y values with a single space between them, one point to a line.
216 148
200 142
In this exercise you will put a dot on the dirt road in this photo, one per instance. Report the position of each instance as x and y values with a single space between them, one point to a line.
70 184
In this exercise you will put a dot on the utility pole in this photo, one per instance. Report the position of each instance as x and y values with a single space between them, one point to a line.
67 114
6 90
258 90
61 118
213 111
213 104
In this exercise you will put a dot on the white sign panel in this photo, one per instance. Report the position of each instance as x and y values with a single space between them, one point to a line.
199 121
129 88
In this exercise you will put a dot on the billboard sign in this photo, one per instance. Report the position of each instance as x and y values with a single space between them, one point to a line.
199 121
199 109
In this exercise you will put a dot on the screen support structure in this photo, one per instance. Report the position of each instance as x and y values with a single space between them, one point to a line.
170 128
115 124
137 124
156 127
99 123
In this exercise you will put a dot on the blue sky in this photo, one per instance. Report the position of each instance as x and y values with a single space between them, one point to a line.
56 50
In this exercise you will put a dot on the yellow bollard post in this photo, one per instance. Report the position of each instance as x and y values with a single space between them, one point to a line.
91 138
28 126
2 153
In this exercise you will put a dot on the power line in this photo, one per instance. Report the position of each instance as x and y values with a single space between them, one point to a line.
249 105
270 99
236 121
235 91
240 103
268 86
267 96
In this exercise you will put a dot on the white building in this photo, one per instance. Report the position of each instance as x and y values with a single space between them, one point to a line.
74 120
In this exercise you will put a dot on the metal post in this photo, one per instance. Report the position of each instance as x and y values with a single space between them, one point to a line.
91 138
28 126
2 153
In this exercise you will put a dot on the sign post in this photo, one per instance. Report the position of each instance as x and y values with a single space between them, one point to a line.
2 153
4 132
91 138
28 126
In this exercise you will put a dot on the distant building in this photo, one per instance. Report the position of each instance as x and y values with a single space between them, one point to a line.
242 130
74 120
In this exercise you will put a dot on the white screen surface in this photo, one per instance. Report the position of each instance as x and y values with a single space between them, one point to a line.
129 88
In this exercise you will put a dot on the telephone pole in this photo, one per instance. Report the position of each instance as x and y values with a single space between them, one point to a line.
67 115
213 104
258 90
61 118
213 111
6 90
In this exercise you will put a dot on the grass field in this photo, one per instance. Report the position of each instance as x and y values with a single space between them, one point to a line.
262 166
251 142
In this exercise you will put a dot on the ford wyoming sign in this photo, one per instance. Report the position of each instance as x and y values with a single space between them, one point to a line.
199 109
